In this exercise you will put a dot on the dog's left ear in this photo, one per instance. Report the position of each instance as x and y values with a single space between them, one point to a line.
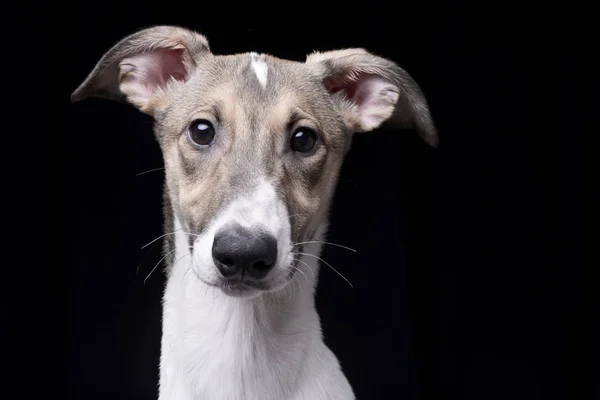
372 90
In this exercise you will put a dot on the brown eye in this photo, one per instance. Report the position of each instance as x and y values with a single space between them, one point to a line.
303 140
201 132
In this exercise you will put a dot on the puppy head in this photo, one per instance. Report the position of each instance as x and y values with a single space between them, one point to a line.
252 144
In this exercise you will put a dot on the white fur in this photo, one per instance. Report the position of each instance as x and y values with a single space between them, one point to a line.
260 69
267 347
258 210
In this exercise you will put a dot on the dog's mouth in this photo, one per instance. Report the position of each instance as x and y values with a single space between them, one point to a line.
240 287
243 286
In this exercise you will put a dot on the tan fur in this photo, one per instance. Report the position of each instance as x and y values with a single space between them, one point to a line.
253 123
216 345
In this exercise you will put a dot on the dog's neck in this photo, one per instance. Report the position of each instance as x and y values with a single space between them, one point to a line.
222 337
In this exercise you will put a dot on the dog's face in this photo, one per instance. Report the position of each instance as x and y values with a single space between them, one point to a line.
252 144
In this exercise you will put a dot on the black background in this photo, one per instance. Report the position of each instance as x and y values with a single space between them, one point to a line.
469 280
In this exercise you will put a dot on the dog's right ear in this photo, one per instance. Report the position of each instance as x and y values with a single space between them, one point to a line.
142 67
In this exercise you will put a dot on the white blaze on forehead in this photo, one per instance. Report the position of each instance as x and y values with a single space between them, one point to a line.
260 68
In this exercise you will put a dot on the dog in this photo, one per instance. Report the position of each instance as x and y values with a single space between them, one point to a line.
252 148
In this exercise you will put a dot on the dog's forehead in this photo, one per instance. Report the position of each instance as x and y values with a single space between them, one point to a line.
255 78
267 71
260 92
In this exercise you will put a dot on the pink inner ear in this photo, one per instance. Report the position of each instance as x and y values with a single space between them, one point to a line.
162 65
150 71
358 91
374 96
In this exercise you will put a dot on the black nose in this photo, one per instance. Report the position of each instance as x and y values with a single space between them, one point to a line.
238 251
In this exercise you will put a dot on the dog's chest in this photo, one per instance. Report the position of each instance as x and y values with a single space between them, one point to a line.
239 361
223 348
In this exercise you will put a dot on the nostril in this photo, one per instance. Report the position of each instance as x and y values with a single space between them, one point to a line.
262 265
226 261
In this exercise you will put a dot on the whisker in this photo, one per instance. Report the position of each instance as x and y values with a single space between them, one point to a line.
329 243
329 265
292 290
302 272
189 268
307 266
150 170
161 236
181 258
167 234
157 264
137 270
